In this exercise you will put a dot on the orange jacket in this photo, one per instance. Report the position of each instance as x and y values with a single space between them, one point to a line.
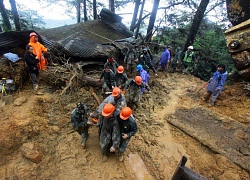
38 51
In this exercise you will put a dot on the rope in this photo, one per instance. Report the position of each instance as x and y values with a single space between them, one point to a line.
98 35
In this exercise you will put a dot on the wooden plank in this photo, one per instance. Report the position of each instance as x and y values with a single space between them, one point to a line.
222 135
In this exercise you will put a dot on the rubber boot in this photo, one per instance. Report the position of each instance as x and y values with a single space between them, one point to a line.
37 92
207 96
104 158
212 101
84 139
121 157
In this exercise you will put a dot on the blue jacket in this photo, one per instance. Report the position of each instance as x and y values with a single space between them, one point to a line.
165 57
217 82
144 75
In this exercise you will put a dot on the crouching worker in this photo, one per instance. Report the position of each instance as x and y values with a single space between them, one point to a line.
109 131
128 128
79 119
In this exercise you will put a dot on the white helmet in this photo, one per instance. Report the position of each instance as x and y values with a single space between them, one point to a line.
191 47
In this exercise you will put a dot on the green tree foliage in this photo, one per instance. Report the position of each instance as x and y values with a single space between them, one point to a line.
209 46
211 50
30 19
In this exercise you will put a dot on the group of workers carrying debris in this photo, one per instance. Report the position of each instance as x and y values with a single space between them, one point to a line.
116 123
115 119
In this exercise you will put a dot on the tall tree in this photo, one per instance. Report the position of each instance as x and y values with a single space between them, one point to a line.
139 20
15 14
78 11
112 5
85 10
196 23
6 21
94 9
137 4
152 20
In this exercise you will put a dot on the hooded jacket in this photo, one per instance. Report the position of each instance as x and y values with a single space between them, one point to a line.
39 49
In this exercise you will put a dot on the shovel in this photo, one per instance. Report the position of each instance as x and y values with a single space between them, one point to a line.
204 85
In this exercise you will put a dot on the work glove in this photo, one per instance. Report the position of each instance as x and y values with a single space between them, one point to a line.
112 149
124 136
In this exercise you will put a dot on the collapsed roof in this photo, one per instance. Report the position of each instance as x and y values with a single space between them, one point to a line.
100 38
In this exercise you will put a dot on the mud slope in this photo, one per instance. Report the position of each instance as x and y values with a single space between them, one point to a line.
37 141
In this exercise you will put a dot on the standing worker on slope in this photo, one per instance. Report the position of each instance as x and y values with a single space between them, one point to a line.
216 84
109 131
128 128
39 50
189 60
79 119
31 62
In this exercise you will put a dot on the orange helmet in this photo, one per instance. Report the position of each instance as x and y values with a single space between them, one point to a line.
125 113
108 109
95 120
116 91
120 69
33 34
110 59
138 80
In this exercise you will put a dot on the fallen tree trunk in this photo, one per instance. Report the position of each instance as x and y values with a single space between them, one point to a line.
68 77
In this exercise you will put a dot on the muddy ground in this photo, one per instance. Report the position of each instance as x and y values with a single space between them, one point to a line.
37 141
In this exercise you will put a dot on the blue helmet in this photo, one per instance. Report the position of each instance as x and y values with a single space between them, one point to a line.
138 68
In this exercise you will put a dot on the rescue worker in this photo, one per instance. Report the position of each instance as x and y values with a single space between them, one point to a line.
177 59
31 61
145 61
116 98
128 128
189 60
216 84
39 50
130 59
120 77
171 55
135 85
164 59
144 75
112 64
79 119
109 131
109 79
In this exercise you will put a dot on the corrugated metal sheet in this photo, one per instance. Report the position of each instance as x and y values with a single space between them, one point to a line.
83 40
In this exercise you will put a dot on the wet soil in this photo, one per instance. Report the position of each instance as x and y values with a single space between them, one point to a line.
37 140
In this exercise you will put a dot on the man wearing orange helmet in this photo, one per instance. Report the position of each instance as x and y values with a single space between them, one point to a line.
39 50
109 131
128 128
135 87
120 77
116 98
112 64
